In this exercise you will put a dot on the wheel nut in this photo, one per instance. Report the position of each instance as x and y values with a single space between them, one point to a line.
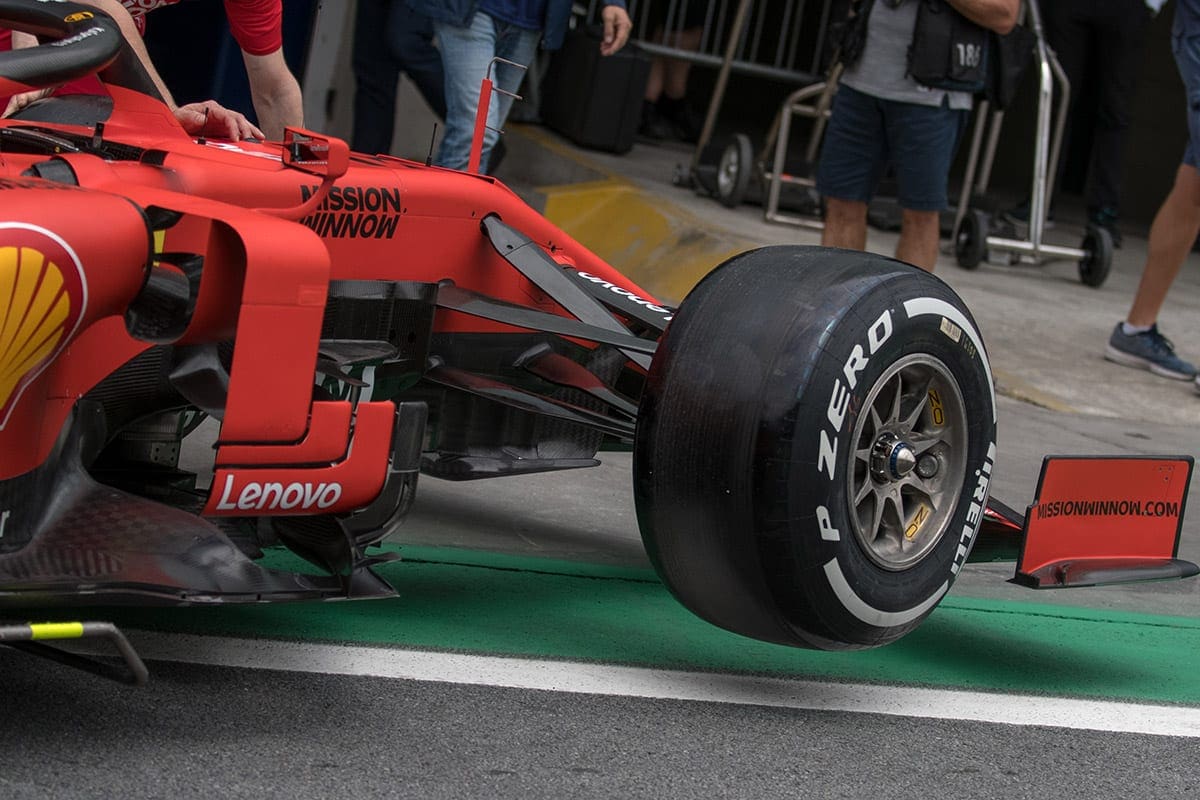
927 466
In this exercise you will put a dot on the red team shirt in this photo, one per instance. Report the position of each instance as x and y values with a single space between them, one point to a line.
256 25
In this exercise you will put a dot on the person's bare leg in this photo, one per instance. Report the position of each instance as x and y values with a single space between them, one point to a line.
654 81
675 82
919 235
845 224
1171 238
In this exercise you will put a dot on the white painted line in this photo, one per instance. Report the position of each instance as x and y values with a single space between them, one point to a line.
603 679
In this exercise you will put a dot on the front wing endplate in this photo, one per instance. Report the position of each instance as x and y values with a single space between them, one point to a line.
1105 520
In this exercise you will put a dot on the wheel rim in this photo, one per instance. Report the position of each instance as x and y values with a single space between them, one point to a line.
908 462
728 170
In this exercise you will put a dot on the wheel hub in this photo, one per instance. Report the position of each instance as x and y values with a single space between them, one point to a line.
908 462
892 458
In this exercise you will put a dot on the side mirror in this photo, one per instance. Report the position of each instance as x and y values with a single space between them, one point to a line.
324 156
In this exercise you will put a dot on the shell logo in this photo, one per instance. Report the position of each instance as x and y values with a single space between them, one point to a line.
79 16
43 295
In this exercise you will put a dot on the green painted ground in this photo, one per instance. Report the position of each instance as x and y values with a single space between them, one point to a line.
468 601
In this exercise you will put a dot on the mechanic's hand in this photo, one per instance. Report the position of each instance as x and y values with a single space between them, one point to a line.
210 118
616 29
19 101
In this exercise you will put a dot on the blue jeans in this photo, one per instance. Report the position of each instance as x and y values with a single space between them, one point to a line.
866 133
466 55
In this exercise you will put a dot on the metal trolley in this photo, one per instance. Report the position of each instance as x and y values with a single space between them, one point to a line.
972 239
739 172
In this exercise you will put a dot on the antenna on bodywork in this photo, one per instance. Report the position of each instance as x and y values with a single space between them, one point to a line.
481 112
432 139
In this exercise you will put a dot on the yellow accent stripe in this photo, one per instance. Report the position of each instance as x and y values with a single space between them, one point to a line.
56 630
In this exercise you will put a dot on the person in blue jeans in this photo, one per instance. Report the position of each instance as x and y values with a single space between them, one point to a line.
1137 342
390 38
470 33
882 117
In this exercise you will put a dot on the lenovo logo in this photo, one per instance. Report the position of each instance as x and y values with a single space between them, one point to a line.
255 496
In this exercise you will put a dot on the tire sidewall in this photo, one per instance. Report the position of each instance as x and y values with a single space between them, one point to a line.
892 321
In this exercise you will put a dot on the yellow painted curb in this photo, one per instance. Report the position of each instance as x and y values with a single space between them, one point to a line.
660 246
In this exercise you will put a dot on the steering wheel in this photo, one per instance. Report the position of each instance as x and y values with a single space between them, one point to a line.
85 41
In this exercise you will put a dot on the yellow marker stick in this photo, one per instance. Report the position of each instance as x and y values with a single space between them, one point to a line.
56 630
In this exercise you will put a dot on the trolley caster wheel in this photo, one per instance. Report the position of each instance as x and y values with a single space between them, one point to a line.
970 242
733 172
1098 253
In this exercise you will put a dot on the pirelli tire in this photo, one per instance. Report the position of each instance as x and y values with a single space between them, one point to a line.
814 447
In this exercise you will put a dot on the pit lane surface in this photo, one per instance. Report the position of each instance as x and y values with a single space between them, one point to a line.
547 572
202 731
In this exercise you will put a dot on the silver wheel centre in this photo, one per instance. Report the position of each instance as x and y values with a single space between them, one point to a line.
728 169
908 461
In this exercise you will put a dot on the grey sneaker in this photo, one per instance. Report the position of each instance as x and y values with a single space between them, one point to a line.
1148 350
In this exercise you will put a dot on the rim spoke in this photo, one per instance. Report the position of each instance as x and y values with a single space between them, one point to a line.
910 422
876 423
894 414
922 442
863 454
865 490
876 518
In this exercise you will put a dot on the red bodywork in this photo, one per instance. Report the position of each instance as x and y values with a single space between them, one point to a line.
266 278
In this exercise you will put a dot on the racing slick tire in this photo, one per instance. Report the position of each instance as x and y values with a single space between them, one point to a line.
814 447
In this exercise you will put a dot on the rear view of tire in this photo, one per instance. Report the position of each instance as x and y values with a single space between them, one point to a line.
814 447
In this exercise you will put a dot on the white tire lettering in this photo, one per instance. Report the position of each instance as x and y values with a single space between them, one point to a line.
826 457
855 364
825 524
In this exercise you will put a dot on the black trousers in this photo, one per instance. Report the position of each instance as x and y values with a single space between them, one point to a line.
1099 44
389 39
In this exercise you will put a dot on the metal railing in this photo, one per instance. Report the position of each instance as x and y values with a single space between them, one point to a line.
786 40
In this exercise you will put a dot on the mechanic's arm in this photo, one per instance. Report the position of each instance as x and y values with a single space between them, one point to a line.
275 92
996 15
616 28
209 118
20 40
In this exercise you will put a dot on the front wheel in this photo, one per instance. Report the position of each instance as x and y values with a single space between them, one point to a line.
814 447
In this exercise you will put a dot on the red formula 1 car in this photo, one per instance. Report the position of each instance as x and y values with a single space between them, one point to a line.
813 430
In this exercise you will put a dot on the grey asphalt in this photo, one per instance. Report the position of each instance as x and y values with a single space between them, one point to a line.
206 732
